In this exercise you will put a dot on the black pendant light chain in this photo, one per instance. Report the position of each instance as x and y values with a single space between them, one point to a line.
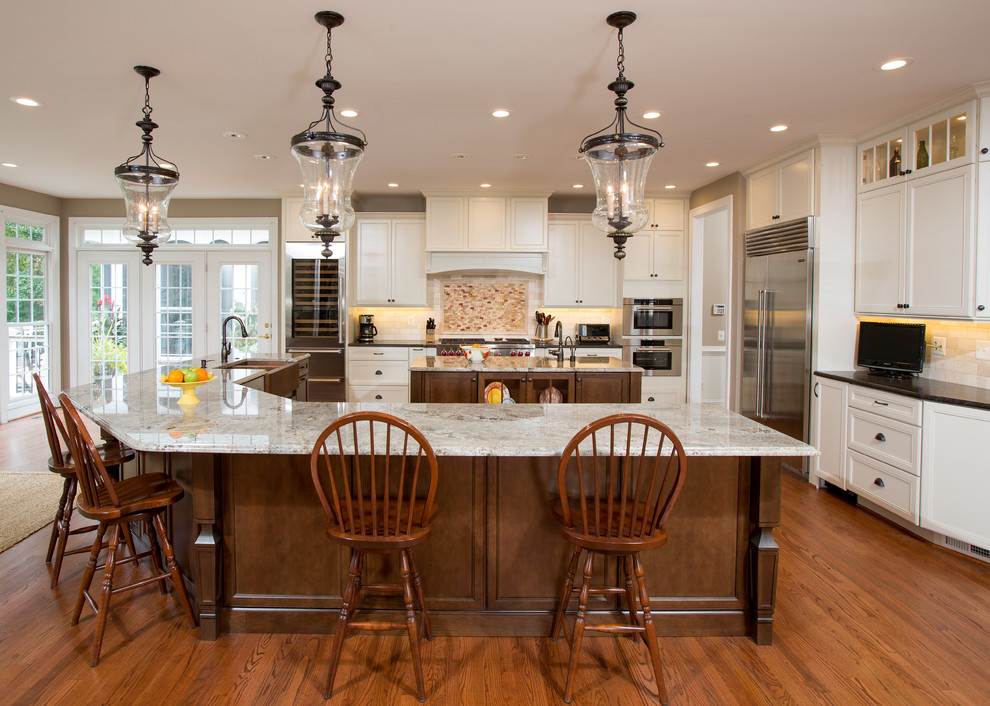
620 62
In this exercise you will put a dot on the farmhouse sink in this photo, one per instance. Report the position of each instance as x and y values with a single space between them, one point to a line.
263 363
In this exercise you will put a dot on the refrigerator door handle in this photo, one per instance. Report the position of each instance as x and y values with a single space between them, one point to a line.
760 351
769 322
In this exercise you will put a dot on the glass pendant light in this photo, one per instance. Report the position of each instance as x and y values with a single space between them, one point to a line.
620 160
328 159
147 182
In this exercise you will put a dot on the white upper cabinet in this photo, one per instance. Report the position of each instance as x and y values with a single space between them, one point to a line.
983 144
883 160
486 223
782 192
390 264
582 270
657 252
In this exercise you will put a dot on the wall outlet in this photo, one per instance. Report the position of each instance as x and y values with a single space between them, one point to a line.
721 335
938 345
983 353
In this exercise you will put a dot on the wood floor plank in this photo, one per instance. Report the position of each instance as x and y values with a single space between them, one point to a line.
866 614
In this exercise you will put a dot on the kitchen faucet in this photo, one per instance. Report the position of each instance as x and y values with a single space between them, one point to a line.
558 332
224 343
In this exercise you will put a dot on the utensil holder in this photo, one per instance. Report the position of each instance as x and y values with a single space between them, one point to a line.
541 331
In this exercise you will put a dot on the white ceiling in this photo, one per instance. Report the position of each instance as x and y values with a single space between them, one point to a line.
426 75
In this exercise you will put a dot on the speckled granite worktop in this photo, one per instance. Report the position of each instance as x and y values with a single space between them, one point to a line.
521 364
230 418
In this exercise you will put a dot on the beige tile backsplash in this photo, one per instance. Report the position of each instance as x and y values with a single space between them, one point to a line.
482 307
959 365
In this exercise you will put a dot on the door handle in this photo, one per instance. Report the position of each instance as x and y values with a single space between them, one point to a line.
266 336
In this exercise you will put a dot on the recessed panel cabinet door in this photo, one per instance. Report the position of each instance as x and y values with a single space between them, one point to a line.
878 251
409 263
562 285
372 283
598 268
939 254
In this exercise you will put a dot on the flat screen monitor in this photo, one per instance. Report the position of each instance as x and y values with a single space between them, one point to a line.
891 348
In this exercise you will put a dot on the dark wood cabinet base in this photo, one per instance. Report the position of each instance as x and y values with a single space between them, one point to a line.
250 535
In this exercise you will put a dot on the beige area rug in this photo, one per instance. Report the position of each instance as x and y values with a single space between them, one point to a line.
28 502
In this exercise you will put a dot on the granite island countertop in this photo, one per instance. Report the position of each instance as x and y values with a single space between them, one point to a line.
521 364
233 419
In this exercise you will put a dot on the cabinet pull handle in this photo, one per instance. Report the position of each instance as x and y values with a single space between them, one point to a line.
880 436
650 399
817 385
378 397
878 482
882 404
378 372
374 353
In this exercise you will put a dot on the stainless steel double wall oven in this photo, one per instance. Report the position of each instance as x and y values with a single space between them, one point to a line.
651 335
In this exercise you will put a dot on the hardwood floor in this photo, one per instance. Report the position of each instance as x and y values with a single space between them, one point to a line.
866 614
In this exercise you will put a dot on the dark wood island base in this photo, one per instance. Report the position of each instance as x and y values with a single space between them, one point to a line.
250 535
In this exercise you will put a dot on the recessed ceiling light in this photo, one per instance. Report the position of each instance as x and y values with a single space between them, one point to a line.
671 186
485 186
653 115
577 186
234 135
29 102
264 156
500 113
711 164
778 128
520 156
7 164
894 64
460 155
393 185
349 113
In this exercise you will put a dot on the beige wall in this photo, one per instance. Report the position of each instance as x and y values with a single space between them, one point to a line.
733 185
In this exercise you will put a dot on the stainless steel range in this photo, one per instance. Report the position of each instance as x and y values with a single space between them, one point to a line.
498 346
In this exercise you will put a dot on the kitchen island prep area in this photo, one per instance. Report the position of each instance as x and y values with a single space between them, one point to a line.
250 533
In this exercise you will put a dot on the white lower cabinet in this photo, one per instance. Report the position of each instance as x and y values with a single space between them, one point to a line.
377 374
829 408
956 483
664 389
881 483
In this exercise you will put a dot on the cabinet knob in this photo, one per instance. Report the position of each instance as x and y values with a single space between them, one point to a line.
378 397
907 306
878 482
579 379
880 436
908 171
378 372
980 307
474 379
985 150
650 399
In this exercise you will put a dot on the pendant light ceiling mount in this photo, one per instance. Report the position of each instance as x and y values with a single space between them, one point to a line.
328 157
620 160
147 181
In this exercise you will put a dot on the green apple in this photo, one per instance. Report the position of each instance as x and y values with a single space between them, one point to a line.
190 375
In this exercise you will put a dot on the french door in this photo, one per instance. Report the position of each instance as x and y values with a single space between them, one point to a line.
132 317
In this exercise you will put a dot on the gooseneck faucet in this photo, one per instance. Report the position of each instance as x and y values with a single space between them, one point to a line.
224 343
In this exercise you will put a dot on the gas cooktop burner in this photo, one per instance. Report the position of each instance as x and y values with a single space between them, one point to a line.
498 345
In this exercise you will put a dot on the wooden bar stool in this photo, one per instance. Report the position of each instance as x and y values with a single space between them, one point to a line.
618 480
114 505
376 476
113 456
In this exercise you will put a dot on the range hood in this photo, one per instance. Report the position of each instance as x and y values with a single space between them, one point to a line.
488 262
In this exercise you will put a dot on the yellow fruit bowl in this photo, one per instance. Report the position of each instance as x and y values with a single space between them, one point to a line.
188 396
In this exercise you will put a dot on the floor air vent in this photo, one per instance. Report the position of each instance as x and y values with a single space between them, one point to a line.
969 549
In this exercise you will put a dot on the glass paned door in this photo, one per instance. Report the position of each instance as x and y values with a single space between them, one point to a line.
107 345
28 325
240 285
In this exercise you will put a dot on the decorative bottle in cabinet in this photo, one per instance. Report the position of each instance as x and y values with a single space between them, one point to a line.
922 160
895 163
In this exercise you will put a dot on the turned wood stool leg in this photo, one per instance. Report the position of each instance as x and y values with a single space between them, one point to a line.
173 567
56 526
418 585
408 595
103 611
87 578
579 626
353 577
627 569
63 520
156 556
560 617
651 632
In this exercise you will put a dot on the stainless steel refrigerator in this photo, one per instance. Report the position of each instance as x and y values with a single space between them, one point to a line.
776 384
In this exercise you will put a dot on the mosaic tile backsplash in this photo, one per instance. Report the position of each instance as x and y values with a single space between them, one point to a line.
470 307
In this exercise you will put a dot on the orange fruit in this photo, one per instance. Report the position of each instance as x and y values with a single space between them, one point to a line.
203 375
176 376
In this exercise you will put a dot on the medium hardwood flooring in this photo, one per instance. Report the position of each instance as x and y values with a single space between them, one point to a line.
866 614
